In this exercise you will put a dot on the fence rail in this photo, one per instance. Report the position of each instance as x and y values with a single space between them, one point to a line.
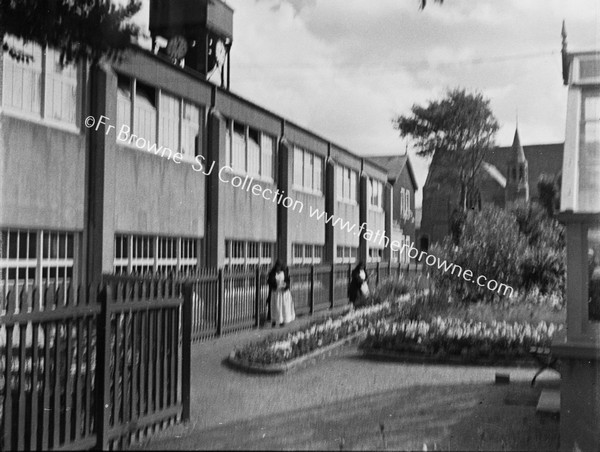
102 366
94 367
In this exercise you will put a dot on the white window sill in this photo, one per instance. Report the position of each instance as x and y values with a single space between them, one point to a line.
36 119
308 191
350 202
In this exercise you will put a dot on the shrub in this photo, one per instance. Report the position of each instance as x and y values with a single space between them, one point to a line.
490 245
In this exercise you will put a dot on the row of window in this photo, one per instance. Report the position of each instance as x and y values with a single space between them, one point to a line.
375 255
42 87
346 254
142 254
36 257
307 254
159 117
240 254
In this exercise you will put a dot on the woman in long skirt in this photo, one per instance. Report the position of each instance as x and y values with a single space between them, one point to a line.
280 297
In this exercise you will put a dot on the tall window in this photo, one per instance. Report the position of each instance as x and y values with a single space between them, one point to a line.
29 257
138 254
41 87
170 120
308 171
346 184
249 151
591 117
375 194
144 114
179 121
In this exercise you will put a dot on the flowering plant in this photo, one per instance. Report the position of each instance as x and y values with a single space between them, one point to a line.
282 348
461 337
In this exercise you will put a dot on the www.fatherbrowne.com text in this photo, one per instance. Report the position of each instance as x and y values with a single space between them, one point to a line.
226 174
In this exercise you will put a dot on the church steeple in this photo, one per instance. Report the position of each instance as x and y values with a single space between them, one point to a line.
517 185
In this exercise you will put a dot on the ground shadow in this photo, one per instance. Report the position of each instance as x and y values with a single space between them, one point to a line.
445 417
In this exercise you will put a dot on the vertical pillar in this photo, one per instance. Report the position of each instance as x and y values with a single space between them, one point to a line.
100 207
363 206
215 205
330 195
388 208
284 185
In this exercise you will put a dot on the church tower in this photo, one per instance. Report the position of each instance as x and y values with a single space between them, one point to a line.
517 175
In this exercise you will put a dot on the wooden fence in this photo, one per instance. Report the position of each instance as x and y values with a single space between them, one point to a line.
97 368
102 366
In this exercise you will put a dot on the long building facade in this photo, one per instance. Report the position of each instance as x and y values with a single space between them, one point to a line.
143 166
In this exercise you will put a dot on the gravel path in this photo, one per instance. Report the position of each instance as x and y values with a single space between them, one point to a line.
344 400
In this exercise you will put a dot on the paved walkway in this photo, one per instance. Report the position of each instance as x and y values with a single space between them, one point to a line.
343 402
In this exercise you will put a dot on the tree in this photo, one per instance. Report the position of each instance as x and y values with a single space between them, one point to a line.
79 29
549 193
456 132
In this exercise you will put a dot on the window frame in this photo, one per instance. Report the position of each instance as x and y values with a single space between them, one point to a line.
45 114
346 185
263 137
316 183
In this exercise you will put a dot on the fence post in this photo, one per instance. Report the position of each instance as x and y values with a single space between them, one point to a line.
103 370
378 264
220 296
332 286
186 351
348 280
312 289
257 302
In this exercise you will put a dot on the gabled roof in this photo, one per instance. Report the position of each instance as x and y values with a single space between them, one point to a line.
395 165
541 159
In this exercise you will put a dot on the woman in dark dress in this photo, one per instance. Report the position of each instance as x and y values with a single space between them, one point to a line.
280 307
358 290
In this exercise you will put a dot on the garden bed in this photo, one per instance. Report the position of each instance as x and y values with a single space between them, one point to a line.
459 341
283 352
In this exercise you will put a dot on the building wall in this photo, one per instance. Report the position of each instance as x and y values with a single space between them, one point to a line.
42 175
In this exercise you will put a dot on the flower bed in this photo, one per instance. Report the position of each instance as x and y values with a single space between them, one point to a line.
470 340
284 348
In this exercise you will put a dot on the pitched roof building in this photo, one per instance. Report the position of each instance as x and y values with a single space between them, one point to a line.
509 174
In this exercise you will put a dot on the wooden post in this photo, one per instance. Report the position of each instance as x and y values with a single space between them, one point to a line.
103 353
312 289
332 286
186 351
257 301
221 293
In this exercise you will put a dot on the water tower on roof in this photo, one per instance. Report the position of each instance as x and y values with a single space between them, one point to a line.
195 33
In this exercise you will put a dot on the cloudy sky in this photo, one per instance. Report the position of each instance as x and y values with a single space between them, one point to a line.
345 68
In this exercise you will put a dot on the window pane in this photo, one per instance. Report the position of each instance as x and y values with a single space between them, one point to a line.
592 132
308 170
352 188
318 171
298 167
266 147
124 101
253 152
144 125
169 122
22 81
61 89
238 158
190 130
591 108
